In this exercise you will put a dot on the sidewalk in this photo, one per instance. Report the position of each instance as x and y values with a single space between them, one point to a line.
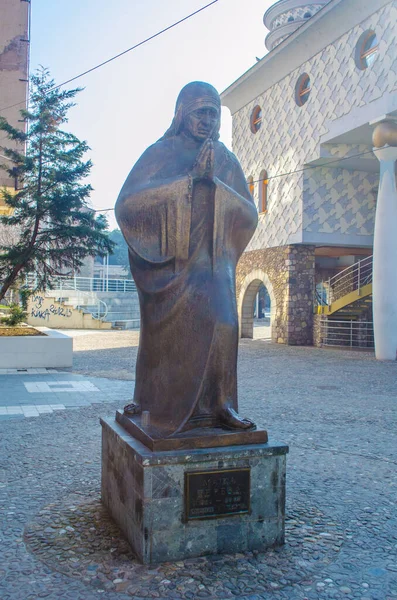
33 392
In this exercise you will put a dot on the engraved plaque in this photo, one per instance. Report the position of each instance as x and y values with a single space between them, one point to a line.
211 494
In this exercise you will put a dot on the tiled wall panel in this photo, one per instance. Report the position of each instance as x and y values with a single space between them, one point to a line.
319 200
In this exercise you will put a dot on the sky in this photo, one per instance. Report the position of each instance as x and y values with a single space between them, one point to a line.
129 103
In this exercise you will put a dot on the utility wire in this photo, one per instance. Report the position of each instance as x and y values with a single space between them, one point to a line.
122 53
312 166
307 168
137 45
288 173
98 66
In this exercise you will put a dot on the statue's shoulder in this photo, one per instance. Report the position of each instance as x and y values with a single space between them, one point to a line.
163 147
155 154
158 147
227 154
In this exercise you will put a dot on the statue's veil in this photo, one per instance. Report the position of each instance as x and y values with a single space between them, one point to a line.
194 95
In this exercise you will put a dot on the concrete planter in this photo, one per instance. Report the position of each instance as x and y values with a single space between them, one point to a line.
55 349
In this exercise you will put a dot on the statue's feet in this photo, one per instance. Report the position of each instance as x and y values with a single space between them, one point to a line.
132 409
229 419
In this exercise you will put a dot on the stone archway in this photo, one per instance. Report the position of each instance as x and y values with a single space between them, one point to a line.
248 291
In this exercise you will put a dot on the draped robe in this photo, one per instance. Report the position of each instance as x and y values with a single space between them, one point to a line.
184 241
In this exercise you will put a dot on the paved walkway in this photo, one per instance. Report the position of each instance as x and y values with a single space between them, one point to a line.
336 410
33 392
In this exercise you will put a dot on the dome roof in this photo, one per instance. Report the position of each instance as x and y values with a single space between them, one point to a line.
285 16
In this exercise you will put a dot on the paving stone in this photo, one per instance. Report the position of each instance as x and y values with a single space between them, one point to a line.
56 540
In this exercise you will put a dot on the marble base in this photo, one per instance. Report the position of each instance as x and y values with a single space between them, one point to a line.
144 492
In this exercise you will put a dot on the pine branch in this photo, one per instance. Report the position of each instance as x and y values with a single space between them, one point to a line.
56 229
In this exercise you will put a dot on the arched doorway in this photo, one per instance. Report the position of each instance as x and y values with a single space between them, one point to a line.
255 299
262 304
262 312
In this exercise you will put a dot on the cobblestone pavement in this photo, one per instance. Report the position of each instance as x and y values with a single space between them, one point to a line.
336 410
103 353
107 354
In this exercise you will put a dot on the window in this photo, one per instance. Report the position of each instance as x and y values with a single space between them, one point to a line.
263 192
307 15
256 119
302 89
366 49
290 19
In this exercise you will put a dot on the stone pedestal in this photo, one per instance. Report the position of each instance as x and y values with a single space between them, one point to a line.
177 504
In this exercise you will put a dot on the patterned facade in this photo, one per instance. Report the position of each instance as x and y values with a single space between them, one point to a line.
339 203
290 137
322 174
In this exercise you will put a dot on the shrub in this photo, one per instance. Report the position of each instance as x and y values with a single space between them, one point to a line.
16 316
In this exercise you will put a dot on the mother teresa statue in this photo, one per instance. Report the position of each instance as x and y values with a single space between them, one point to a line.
187 215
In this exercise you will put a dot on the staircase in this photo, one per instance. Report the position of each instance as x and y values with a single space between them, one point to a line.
117 309
101 303
345 305
47 310
122 309
349 293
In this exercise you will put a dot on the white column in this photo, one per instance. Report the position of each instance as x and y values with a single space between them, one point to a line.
385 258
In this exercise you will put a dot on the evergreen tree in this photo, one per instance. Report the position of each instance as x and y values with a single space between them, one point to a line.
56 228
119 255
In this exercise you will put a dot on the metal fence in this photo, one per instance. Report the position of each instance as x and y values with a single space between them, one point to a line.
348 333
85 284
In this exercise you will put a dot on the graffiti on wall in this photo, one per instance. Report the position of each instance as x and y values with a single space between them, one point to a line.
39 311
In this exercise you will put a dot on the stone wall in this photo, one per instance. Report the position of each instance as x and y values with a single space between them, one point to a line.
289 275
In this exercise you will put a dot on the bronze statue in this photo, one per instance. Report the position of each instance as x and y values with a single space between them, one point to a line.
187 215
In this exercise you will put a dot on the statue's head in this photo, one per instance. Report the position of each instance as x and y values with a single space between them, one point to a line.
197 112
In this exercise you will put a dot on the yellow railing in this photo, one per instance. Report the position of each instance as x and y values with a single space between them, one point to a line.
350 298
345 288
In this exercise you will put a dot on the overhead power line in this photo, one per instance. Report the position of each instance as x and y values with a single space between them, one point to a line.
137 45
327 164
312 167
145 41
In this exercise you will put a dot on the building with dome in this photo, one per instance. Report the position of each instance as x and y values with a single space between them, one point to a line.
285 17
304 117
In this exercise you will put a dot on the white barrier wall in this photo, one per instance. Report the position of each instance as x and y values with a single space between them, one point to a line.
54 349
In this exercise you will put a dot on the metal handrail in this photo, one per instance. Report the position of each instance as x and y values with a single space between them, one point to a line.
347 333
84 284
351 279
96 315
356 267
